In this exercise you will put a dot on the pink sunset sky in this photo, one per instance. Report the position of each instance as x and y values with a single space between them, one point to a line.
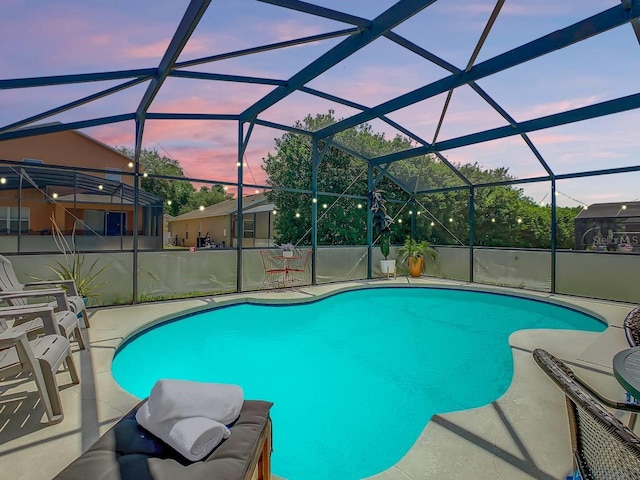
70 36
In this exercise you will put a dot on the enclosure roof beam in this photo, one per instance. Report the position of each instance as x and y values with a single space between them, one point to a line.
286 128
388 121
323 12
225 78
601 109
395 15
144 74
69 106
575 33
191 116
61 127
266 48
187 25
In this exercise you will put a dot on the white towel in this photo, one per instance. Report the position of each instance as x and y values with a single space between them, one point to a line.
172 399
192 437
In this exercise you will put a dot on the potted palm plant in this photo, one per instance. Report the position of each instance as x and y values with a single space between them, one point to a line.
413 252
382 226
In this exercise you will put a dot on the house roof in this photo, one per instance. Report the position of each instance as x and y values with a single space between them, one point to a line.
92 188
611 210
228 207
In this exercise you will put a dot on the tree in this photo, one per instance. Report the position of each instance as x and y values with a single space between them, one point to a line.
179 195
205 197
497 209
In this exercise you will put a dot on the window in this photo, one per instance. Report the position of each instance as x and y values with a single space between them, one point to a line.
113 176
9 220
249 228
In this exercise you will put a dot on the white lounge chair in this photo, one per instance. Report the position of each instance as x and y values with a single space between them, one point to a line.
42 358
9 284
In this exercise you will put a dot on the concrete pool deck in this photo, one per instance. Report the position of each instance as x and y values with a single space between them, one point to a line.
522 435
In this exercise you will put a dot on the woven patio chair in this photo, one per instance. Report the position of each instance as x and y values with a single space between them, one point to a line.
603 448
632 327
274 271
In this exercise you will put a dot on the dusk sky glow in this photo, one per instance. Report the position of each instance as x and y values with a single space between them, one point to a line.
72 36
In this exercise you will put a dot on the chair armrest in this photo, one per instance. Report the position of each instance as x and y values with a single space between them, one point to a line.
57 293
70 284
11 336
41 310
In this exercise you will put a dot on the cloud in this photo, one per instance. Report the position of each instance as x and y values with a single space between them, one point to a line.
544 109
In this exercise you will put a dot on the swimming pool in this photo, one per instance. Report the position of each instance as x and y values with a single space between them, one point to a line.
354 377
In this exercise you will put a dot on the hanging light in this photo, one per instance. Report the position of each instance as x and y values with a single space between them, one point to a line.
324 205
225 188
275 212
450 219
201 207
297 215
314 200
130 164
399 220
169 202
100 187
433 224
145 174
3 180
238 164
257 191
55 195
410 212
419 212
624 207
359 205
493 220
519 220
586 207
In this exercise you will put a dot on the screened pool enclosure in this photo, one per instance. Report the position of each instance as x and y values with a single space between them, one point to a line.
503 133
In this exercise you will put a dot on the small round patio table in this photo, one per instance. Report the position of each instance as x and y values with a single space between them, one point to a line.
626 368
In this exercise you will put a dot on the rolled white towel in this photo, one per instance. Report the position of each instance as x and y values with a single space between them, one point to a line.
191 437
181 398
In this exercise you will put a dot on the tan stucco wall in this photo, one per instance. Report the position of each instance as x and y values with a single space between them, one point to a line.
66 148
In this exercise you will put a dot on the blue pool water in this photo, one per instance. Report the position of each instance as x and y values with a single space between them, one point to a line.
354 377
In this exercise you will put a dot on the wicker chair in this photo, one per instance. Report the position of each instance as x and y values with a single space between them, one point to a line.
632 327
603 448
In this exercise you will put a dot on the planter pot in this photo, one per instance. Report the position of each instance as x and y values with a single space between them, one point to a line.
287 253
415 266
388 267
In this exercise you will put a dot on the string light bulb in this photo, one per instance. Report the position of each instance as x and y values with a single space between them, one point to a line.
3 180
55 195
433 224
130 164
201 207
324 205
145 174
493 220
297 215
399 220
519 220
359 205
410 212
100 187
450 220
169 202
275 212
624 207
314 200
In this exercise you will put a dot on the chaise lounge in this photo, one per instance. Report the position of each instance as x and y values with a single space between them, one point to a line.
129 452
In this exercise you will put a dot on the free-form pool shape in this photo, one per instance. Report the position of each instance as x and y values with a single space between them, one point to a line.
354 377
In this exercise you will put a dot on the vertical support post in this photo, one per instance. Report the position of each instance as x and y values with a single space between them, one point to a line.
240 219
315 160
369 224
472 229
136 201
413 216
19 214
553 235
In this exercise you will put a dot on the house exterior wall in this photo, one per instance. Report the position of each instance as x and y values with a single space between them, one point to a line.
67 148
71 149
222 228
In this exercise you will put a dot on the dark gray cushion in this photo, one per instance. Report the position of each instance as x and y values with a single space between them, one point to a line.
129 452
